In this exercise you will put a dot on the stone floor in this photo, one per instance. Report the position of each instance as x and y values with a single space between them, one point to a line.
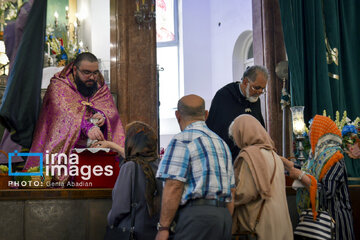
53 219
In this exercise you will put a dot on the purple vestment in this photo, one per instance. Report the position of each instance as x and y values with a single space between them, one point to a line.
64 108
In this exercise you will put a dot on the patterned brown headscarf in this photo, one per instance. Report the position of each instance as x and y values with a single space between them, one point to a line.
141 147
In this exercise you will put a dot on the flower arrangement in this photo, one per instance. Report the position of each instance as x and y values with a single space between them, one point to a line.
350 135
60 50
9 9
350 132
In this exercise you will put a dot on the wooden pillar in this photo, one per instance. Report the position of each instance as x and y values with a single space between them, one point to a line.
269 49
133 65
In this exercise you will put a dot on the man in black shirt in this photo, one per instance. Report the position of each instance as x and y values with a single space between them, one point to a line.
237 98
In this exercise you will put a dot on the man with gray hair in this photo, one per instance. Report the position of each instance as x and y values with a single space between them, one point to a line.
237 98
199 177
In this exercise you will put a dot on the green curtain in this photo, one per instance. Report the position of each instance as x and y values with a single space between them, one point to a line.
349 40
350 61
314 83
322 42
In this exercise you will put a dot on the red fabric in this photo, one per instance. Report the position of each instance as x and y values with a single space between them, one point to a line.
102 159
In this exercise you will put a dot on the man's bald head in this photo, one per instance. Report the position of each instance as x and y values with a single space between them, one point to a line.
192 107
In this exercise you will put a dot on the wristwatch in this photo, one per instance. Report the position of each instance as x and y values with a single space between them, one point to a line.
161 228
301 175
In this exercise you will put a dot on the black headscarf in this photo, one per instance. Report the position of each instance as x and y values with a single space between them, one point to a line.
141 147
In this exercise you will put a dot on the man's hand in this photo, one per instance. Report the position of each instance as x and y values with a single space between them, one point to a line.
171 198
162 235
100 118
96 134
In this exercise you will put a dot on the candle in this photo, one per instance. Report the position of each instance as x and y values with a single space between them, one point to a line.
137 5
67 12
56 15
152 5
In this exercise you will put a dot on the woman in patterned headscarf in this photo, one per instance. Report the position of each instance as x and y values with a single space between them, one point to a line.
141 149
326 170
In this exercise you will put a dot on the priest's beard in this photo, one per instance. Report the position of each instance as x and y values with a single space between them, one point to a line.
83 89
251 99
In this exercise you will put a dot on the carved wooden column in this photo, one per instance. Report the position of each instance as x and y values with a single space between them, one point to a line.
269 49
133 65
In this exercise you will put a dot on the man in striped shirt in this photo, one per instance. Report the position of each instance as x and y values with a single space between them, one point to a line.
198 173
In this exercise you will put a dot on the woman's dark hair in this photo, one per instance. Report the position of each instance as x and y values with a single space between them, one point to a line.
141 147
140 139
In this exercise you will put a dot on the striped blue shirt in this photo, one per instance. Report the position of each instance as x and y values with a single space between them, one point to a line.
202 160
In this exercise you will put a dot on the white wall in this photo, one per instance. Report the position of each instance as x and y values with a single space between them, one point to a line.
100 39
196 42
235 17
95 28
207 47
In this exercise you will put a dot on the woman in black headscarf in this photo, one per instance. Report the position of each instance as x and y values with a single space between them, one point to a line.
141 150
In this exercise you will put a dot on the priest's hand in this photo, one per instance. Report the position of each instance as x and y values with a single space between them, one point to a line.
95 134
100 119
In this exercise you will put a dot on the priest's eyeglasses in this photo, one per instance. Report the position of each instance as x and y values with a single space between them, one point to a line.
88 73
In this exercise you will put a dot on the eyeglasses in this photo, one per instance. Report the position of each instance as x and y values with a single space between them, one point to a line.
88 73
258 89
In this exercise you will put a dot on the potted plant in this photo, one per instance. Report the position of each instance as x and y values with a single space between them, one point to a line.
4 177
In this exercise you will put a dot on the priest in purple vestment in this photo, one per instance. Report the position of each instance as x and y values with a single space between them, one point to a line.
77 110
